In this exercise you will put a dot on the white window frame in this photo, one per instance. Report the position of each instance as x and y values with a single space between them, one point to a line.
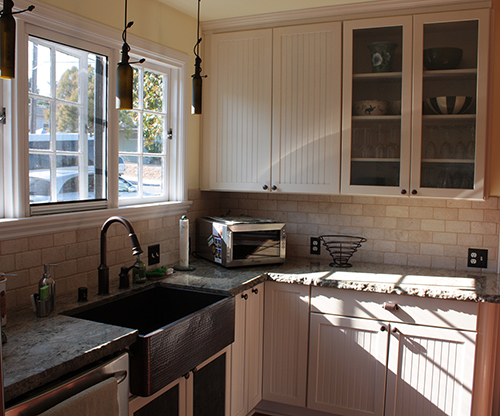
15 220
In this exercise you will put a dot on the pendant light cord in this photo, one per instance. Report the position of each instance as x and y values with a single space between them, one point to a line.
196 48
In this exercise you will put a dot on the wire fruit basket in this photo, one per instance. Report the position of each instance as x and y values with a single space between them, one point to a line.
341 248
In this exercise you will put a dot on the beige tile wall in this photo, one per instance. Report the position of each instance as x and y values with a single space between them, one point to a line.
407 231
421 232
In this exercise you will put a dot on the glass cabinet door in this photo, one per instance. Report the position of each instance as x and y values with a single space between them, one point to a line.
377 106
450 75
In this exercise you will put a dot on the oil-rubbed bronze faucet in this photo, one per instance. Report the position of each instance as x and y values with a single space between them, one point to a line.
103 269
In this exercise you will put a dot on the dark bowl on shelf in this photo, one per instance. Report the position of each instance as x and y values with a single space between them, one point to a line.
455 104
442 58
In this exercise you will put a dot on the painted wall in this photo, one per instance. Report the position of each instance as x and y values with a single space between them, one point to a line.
157 23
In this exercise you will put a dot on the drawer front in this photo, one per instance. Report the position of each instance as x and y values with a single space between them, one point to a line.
410 309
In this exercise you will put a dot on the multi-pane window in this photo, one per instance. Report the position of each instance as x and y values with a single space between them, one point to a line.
67 123
143 135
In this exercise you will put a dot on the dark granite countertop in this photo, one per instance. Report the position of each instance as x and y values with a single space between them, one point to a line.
41 350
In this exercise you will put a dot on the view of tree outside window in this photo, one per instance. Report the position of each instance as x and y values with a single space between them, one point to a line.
67 119
143 136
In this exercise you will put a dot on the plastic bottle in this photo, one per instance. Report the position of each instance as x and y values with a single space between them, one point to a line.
139 271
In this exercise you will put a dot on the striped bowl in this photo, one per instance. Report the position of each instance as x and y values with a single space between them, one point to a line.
449 104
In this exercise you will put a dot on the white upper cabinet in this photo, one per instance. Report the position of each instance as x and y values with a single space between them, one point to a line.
416 126
236 152
293 73
306 108
376 137
448 150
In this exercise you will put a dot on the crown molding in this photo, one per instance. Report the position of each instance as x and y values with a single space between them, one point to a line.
339 12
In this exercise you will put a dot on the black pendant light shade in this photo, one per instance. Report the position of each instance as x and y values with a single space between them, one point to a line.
125 73
197 77
8 39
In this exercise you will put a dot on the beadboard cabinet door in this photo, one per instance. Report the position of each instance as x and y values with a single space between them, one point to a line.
246 367
306 108
430 371
347 365
286 330
236 150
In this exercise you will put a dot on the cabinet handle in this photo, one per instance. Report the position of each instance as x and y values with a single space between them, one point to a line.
244 296
274 188
254 290
265 187
403 191
186 376
383 328
389 306
414 192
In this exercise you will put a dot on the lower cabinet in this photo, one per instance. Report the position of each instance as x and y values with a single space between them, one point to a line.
286 330
246 351
372 366
202 392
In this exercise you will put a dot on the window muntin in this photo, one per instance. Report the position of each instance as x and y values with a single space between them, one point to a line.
143 137
67 115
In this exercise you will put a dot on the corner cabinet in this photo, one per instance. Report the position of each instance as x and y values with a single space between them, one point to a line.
286 333
273 119
393 141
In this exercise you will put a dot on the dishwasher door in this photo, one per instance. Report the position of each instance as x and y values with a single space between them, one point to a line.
117 367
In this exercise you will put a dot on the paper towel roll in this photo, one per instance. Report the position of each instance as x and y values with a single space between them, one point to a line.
184 242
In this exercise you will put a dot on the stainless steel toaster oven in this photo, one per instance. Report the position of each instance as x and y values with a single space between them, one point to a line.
240 241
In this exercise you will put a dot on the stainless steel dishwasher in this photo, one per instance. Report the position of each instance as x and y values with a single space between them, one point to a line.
117 367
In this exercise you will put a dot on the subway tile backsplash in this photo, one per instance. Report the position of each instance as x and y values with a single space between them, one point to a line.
409 231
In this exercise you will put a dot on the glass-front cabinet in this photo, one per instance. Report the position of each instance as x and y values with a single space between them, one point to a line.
377 106
414 105
449 102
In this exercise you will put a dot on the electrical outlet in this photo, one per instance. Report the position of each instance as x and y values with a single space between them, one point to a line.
315 245
153 254
478 258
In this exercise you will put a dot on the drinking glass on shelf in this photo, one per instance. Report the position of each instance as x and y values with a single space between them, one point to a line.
460 150
379 150
430 150
444 179
457 180
391 151
445 152
471 149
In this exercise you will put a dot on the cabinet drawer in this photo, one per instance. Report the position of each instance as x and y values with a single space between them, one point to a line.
411 309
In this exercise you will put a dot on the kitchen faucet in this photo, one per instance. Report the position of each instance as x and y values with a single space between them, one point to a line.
103 269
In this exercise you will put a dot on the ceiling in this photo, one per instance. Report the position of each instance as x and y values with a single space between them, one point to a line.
225 9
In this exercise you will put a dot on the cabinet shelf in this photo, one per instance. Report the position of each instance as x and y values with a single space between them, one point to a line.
467 73
448 161
376 159
377 76
376 118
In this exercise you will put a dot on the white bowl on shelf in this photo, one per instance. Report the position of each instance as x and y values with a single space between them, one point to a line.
370 107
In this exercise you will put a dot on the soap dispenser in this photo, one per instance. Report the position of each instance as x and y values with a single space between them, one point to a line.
47 286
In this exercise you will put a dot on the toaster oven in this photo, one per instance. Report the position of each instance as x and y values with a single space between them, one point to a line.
240 241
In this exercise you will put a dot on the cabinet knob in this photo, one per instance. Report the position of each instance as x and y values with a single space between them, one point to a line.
395 330
274 188
414 192
389 306
265 187
244 296
403 191
254 290
383 328
186 376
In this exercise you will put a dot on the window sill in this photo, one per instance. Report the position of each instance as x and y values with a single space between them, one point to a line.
26 227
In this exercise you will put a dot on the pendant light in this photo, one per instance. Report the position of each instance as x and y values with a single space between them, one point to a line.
8 39
197 77
125 73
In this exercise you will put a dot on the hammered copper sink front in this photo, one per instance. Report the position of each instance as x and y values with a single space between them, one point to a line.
178 330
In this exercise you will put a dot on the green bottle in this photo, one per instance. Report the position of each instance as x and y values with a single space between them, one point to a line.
139 271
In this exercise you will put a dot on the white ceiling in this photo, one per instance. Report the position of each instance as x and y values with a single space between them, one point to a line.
224 9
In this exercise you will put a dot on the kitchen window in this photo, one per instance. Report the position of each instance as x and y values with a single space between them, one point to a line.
67 91
67 150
